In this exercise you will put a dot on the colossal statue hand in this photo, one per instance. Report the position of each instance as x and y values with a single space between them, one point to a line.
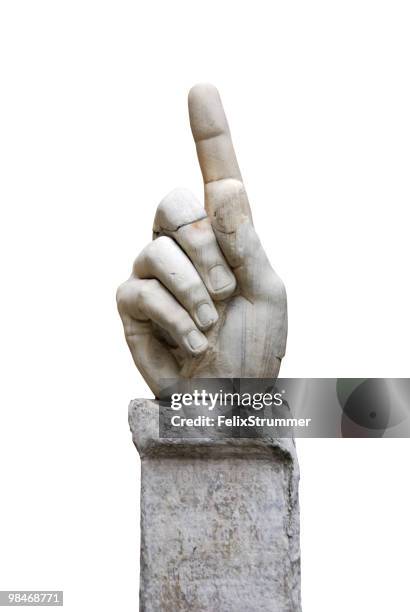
203 299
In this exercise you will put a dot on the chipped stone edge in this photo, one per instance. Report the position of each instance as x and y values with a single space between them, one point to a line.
143 418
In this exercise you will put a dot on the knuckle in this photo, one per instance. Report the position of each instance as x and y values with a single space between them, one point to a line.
143 256
174 197
121 297
157 246
161 243
151 252
179 207
148 291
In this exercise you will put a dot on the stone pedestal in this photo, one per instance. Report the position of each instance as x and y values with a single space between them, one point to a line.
219 521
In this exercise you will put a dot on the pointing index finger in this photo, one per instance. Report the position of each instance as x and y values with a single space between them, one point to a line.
211 133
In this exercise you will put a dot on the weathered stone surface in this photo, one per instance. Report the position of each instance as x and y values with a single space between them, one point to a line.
219 521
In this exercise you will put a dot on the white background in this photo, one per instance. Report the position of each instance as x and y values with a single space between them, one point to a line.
94 132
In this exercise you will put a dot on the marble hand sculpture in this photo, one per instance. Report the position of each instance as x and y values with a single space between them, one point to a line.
203 300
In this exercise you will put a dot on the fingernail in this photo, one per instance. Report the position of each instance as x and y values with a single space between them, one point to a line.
206 315
219 277
196 340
